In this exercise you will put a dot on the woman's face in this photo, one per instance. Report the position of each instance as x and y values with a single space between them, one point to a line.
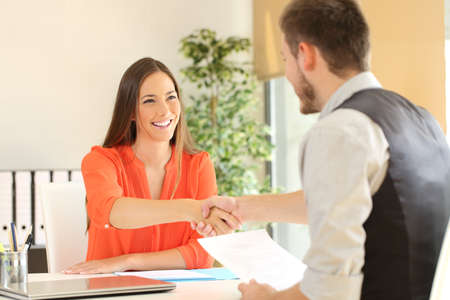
158 109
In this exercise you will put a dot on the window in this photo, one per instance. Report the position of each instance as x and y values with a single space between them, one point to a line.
288 128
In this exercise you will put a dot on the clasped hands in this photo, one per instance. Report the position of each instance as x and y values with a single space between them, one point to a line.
220 214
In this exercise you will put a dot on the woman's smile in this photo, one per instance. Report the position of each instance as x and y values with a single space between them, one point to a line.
163 124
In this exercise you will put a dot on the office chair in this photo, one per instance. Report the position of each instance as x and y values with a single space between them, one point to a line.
64 214
441 282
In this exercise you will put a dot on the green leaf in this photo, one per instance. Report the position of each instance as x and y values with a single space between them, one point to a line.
237 143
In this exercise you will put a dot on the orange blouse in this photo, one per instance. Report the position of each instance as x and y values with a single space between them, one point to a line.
112 173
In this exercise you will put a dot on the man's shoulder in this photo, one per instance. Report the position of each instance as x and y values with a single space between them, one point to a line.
345 126
345 121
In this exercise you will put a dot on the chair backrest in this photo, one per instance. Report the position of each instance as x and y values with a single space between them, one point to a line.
64 214
441 282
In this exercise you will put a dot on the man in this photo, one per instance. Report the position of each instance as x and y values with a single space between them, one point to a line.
375 169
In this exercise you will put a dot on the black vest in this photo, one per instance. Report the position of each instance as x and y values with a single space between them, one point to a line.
411 208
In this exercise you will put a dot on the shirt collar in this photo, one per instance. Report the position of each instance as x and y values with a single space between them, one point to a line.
362 81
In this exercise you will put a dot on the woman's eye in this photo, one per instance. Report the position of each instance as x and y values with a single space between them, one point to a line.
172 97
149 101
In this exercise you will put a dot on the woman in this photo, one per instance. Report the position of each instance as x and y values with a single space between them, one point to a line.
147 160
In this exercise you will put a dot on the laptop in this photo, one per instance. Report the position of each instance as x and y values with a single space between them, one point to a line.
86 287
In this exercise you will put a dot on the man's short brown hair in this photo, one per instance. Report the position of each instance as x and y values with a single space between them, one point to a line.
336 27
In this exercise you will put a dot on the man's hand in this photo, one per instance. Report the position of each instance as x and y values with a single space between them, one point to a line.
256 291
228 204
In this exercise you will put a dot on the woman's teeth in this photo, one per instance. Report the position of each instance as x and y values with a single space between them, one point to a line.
162 124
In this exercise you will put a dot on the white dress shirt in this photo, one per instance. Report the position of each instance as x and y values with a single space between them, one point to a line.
343 162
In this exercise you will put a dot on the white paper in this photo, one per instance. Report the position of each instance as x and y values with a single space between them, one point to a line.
254 255
167 275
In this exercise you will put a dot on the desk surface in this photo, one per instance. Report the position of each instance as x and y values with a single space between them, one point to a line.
211 290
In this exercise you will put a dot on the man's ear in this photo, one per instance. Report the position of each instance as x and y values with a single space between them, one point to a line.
307 56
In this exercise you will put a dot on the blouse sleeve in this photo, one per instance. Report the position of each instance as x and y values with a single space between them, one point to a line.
102 187
193 253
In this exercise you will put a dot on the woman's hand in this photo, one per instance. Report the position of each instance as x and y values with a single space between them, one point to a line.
107 265
217 222
221 221
226 204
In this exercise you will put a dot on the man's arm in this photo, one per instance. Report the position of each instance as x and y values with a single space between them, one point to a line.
289 207
340 160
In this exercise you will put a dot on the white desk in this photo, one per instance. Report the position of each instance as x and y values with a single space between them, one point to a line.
193 290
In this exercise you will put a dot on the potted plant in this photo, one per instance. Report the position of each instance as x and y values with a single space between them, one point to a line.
222 112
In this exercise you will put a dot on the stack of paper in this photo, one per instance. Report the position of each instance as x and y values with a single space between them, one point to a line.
254 255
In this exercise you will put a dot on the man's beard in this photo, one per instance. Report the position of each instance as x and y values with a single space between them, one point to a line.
307 96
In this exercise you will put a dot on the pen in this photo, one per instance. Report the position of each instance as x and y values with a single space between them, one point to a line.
27 236
27 244
14 236
10 239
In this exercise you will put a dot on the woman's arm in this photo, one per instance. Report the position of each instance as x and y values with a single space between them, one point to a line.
130 213
160 260
186 256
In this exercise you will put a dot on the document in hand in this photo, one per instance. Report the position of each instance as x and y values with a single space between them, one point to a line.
254 255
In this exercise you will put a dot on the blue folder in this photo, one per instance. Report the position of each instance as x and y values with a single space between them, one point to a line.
217 273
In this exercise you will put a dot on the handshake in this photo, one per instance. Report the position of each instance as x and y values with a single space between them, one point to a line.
219 215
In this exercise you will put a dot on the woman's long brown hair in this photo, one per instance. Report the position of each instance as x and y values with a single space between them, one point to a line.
122 129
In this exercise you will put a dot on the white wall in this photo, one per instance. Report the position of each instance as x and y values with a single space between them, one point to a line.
447 86
447 65
447 19
61 62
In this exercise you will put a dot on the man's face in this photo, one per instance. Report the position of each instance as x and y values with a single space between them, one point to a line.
302 87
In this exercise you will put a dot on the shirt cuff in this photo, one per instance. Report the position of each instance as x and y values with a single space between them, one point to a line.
321 286
195 257
100 218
